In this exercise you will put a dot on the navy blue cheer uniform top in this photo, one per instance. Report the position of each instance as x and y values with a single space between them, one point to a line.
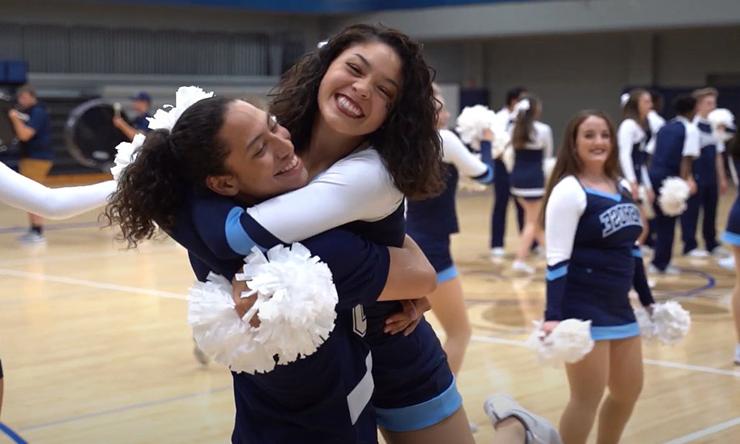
592 259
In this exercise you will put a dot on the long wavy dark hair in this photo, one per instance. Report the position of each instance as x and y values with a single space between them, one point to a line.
569 164
152 188
523 130
407 141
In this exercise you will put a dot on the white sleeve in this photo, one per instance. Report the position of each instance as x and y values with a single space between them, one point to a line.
357 187
51 203
625 139
562 213
691 144
544 132
455 152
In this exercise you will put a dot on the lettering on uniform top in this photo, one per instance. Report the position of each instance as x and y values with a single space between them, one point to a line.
618 217
359 321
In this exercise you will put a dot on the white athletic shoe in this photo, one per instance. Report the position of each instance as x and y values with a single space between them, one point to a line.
498 252
32 238
522 267
737 354
721 252
728 263
201 357
697 253
537 429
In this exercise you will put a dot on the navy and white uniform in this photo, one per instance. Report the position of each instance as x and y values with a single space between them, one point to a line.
414 387
430 222
676 140
731 234
323 397
592 259
527 175
707 194
502 192
632 140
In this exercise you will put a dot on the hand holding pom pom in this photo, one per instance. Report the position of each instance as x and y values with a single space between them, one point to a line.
568 341
674 192
472 122
671 321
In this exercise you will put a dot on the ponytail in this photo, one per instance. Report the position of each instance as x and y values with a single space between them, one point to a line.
524 125
152 189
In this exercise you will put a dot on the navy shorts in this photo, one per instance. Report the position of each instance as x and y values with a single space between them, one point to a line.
732 232
437 249
414 387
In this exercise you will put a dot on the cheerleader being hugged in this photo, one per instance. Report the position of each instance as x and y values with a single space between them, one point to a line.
591 225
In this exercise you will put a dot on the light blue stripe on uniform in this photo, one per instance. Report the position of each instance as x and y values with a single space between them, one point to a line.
488 178
731 238
557 272
236 237
447 274
636 252
615 332
612 196
422 415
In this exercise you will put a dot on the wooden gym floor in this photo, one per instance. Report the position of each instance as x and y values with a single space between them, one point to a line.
96 348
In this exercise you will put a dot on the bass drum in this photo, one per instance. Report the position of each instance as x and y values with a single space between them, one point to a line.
90 135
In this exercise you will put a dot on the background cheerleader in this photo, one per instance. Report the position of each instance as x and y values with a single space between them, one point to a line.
501 185
711 181
633 137
532 142
732 237
430 222
52 203
591 226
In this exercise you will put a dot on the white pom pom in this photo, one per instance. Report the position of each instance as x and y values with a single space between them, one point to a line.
126 153
569 342
647 327
166 117
721 120
472 121
671 322
296 300
220 333
674 192
547 166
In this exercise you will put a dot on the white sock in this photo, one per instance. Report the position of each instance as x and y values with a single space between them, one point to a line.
737 353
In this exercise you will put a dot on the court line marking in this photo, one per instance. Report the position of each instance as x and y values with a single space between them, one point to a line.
92 284
91 255
123 408
15 437
703 433
654 362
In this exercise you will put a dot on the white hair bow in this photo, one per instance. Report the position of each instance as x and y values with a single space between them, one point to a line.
522 106
624 98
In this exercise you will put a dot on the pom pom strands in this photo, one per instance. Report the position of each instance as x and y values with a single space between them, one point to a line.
126 153
295 304
569 342
674 192
473 120
295 300
669 323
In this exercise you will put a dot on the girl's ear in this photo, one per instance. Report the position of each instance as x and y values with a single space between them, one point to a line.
225 185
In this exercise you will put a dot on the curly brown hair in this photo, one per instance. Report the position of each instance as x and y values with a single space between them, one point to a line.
407 141
152 188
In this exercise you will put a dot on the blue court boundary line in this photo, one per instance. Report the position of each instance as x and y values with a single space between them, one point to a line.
11 434
711 283
52 227
121 409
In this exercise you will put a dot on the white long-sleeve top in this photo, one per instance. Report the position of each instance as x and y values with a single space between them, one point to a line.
52 203
629 134
456 153
355 188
